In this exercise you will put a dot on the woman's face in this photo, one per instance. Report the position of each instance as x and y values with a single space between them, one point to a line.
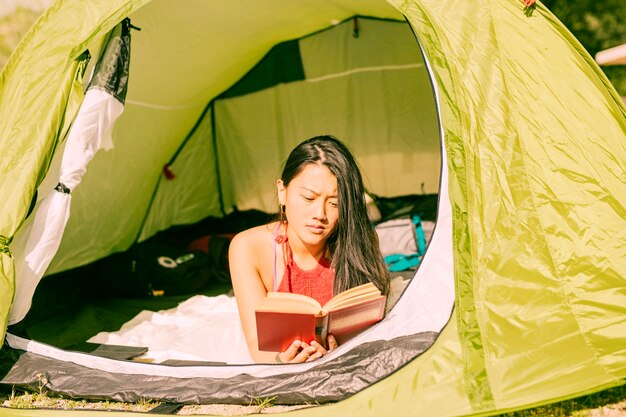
311 204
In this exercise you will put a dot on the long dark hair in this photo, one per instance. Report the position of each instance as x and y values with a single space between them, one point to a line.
353 245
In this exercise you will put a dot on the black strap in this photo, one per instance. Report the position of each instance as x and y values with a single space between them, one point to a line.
166 408
4 245
62 188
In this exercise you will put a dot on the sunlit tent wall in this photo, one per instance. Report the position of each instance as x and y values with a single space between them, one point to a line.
364 81
533 161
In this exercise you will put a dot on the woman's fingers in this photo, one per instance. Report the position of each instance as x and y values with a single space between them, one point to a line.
305 354
290 353
300 351
319 348
332 342
314 356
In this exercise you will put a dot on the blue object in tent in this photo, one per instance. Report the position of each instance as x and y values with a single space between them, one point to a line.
419 232
399 262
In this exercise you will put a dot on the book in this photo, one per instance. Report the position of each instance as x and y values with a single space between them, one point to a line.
284 317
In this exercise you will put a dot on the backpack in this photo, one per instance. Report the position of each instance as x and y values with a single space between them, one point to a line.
403 241
152 268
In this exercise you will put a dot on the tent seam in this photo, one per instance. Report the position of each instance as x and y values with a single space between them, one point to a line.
487 400
484 392
514 116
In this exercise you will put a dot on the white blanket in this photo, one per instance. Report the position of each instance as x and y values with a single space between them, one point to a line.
200 329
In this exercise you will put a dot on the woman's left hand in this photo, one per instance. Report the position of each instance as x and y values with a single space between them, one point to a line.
321 350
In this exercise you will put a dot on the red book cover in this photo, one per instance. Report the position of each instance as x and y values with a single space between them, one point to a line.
282 318
277 330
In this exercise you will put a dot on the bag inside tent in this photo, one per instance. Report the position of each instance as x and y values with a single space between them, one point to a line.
141 274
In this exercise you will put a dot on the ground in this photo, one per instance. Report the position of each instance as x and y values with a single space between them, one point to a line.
608 403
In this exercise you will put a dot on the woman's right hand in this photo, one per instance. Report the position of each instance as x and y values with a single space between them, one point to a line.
298 352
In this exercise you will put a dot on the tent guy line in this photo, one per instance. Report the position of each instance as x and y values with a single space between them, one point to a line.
162 106
308 80
364 69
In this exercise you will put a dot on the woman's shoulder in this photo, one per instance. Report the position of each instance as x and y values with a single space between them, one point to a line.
250 254
254 238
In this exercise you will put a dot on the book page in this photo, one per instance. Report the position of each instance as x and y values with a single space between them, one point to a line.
357 294
346 322
352 301
358 319
289 303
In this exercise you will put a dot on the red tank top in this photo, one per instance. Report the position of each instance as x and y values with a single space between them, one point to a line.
316 283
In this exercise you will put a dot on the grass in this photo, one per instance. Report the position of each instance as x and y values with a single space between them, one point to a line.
263 403
611 402
608 403
40 399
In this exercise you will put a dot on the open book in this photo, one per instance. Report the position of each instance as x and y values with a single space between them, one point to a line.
284 317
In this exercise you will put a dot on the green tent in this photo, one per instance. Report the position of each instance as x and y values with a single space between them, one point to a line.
532 195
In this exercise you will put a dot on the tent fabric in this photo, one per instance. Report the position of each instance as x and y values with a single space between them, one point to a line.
103 104
282 64
25 175
57 80
235 130
528 203
533 136
164 112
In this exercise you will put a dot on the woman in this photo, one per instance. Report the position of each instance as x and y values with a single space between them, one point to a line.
323 243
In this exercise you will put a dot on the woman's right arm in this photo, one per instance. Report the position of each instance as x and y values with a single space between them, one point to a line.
249 292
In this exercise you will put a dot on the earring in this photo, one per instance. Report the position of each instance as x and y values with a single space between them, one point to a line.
282 218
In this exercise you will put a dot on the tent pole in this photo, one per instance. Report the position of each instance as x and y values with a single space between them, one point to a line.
166 169
190 134
218 177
